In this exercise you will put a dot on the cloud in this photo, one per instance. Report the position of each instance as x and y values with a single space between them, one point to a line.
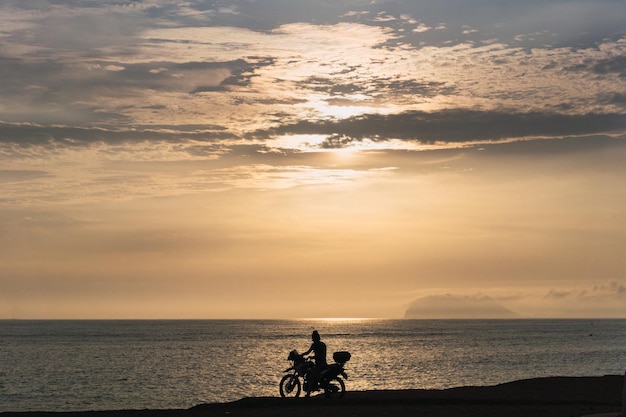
612 65
18 175
602 299
24 134
189 69
447 126
610 290
42 92
74 29
453 126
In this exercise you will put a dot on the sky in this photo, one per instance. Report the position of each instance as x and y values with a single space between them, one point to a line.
297 158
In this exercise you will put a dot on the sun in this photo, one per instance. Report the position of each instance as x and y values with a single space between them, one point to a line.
313 143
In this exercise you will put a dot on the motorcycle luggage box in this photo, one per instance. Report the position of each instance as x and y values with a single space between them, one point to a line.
341 357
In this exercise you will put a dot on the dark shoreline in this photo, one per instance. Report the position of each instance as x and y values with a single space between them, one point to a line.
549 397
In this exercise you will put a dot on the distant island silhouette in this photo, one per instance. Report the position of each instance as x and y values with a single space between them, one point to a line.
448 306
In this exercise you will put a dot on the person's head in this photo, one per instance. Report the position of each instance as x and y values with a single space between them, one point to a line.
315 336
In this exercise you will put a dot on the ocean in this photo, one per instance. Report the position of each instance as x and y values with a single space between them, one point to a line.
109 365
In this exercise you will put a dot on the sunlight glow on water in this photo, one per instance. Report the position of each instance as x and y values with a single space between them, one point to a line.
339 319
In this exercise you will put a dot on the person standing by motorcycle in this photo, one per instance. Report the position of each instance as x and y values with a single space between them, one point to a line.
319 349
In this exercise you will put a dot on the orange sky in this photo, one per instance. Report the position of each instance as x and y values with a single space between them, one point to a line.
257 160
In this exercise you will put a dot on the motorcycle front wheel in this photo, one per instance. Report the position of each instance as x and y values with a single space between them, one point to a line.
290 386
335 388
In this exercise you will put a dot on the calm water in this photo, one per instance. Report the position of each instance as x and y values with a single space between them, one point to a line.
96 365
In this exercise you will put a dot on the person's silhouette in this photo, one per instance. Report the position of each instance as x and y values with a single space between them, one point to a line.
319 349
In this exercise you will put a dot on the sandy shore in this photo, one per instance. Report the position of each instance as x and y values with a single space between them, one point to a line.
553 397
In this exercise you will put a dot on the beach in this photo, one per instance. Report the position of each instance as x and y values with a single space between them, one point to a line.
552 396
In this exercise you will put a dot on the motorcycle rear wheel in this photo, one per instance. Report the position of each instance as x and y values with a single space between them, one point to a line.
290 386
335 388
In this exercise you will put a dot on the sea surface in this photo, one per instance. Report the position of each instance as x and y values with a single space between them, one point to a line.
105 365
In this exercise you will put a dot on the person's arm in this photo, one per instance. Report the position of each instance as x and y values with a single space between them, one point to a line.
308 351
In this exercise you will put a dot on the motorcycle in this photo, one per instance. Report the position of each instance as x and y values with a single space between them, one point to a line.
330 378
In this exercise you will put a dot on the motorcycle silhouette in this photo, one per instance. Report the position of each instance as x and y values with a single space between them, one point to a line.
330 378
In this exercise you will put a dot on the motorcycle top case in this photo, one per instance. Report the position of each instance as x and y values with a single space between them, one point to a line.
341 357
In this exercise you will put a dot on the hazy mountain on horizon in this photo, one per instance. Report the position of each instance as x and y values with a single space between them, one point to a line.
450 306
